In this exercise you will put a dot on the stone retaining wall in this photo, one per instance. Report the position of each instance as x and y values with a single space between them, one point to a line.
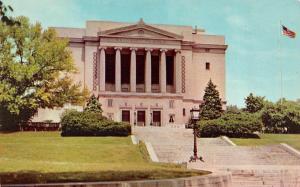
210 180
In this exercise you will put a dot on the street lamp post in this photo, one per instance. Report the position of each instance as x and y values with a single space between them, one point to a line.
151 119
134 118
195 116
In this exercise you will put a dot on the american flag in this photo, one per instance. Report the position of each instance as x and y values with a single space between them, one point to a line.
288 32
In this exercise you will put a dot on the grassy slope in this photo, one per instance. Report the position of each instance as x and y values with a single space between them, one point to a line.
103 158
269 139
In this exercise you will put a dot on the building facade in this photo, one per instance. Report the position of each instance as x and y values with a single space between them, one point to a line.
146 74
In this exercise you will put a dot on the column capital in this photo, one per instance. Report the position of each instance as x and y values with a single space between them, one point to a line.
102 47
148 49
133 49
177 51
163 50
118 48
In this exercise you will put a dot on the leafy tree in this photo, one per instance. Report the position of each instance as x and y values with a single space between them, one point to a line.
35 72
93 105
254 103
212 106
233 109
283 116
4 10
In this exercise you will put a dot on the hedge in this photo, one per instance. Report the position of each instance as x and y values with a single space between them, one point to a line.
92 124
231 125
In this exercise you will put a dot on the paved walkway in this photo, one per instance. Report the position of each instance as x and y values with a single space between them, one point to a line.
253 166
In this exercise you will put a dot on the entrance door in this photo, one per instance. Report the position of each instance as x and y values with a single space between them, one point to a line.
126 116
141 118
156 118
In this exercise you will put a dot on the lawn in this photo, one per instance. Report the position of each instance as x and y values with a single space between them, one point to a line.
269 139
48 157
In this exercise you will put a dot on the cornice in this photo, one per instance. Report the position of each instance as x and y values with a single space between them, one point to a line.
186 45
209 46
140 95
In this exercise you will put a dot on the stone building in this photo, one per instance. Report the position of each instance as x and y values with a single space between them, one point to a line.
146 74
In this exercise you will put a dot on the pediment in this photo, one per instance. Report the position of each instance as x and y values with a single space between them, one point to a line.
140 30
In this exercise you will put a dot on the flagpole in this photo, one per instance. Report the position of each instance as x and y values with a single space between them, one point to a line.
280 63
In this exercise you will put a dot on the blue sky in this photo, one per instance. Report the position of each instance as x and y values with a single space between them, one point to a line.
251 28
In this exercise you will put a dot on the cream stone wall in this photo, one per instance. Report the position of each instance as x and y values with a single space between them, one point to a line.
79 59
200 76
53 114
195 48
89 56
70 32
147 104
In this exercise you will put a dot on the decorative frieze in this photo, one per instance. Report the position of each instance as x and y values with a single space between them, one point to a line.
139 41
183 73
95 71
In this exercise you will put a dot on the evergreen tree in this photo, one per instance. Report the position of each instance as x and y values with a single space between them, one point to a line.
254 103
212 106
93 105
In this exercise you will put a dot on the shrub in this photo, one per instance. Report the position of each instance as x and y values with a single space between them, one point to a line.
92 124
282 117
93 105
232 125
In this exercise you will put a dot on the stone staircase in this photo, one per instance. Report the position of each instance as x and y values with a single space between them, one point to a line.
254 166
266 179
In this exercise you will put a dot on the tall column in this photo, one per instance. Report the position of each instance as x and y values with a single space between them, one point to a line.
118 69
163 71
148 70
133 70
102 69
177 72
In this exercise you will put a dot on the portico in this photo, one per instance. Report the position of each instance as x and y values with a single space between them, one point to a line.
156 73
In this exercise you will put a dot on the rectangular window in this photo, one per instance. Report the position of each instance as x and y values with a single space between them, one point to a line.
170 69
140 69
154 69
171 104
125 68
110 116
183 111
109 102
207 66
110 68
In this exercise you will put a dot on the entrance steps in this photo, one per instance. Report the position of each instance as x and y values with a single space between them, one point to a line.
255 166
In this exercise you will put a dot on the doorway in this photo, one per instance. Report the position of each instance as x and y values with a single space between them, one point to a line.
126 116
156 118
141 118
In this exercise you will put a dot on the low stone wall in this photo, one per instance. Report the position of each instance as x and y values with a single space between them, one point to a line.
290 150
210 180
228 141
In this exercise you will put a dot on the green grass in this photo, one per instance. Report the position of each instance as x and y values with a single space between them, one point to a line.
48 157
270 139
